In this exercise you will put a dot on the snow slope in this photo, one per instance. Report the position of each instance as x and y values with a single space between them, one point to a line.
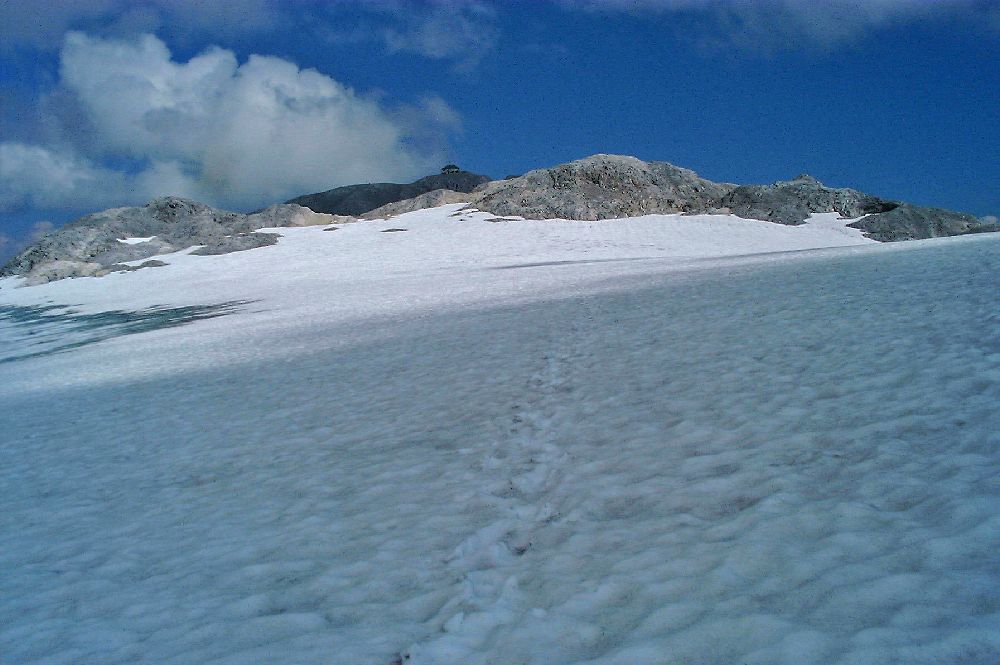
515 442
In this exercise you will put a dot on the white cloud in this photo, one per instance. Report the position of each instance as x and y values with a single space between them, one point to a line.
989 219
33 176
232 134
457 29
460 31
440 112
463 31
788 24
36 176
42 23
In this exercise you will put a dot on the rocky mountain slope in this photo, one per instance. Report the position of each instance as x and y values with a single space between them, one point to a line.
594 188
611 186
107 241
358 199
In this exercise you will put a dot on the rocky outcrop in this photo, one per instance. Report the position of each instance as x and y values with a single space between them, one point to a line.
910 222
54 270
93 245
601 187
358 199
792 201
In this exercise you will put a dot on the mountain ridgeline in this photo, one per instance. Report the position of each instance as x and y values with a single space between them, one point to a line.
613 186
359 199
595 188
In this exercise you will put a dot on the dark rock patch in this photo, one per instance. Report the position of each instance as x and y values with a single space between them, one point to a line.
910 222
359 199
793 201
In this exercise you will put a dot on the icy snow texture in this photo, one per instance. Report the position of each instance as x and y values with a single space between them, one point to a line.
400 452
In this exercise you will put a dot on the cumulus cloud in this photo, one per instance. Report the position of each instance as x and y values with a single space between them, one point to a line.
231 133
990 219
35 176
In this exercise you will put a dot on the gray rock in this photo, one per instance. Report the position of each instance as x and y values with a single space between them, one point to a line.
91 246
438 197
124 267
601 187
290 214
792 201
236 243
153 263
910 222
358 199
50 271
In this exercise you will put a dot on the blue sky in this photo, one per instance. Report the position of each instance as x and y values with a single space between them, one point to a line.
241 103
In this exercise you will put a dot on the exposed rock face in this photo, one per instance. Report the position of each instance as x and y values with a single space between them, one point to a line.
601 187
792 201
358 199
93 245
910 222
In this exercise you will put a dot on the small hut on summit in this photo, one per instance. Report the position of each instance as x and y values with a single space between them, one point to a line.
450 168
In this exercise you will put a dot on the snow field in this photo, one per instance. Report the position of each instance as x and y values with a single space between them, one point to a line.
446 242
318 287
791 461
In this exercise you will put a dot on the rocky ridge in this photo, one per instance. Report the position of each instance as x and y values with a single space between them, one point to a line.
612 186
594 188
93 245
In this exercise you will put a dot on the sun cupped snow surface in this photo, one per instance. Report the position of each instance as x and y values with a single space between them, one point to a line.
514 442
